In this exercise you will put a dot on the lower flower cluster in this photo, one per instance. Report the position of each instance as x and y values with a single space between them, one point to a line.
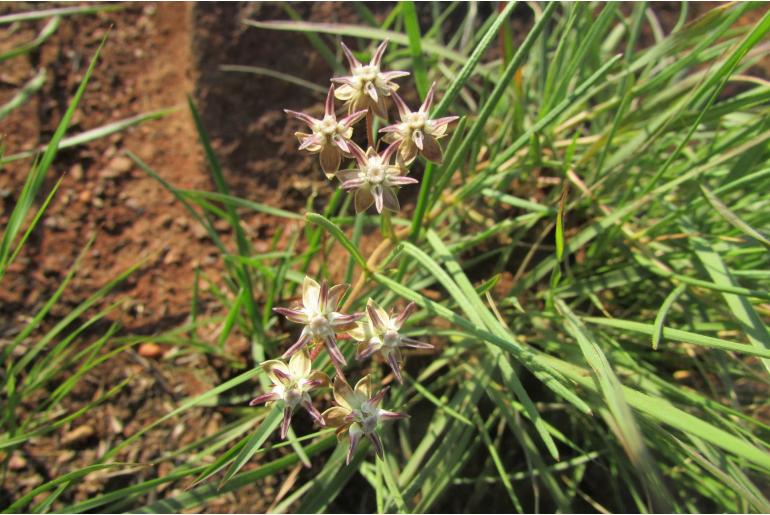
357 412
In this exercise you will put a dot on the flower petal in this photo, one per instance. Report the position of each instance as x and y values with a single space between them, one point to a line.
330 160
377 58
391 415
367 349
343 394
303 340
313 412
335 294
403 110
265 397
352 118
358 154
425 107
431 149
302 117
417 139
300 364
310 291
395 74
404 315
286 422
355 434
377 444
335 417
364 387
329 104
371 90
341 143
334 352
294 315
402 180
395 366
375 312
353 184
415 344
344 92
277 371
363 200
390 200
352 61
310 143
377 194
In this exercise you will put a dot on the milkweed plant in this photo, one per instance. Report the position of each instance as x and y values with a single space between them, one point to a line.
376 178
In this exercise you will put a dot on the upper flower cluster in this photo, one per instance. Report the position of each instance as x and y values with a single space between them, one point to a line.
366 92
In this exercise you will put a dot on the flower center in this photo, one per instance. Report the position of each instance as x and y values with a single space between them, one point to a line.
328 126
319 325
375 171
415 121
368 417
291 396
391 338
366 74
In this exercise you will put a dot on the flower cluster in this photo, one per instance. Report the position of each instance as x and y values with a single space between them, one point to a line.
376 177
366 92
357 411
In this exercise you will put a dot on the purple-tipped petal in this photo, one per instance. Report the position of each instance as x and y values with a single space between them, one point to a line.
329 104
342 80
358 154
395 74
446 120
353 184
314 139
294 315
335 294
367 351
404 315
341 143
303 340
391 129
280 374
388 152
402 180
323 296
302 117
374 316
355 437
377 398
340 320
395 366
415 344
377 58
265 397
403 110
314 413
352 61
334 352
377 444
285 422
391 415
425 107
353 118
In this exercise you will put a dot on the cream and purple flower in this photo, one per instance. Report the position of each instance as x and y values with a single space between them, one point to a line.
291 386
379 332
358 414
375 181
417 133
330 138
367 86
322 323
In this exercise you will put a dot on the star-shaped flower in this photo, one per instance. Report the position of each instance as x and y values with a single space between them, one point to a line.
291 384
417 133
320 319
358 414
367 86
379 332
330 138
375 180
